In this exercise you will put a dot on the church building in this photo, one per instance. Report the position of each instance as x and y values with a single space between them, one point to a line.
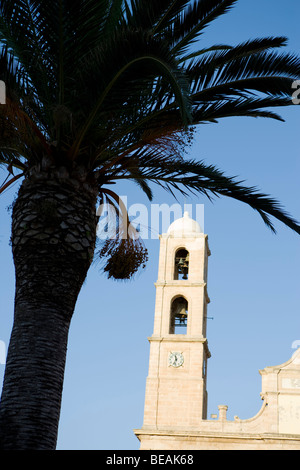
175 412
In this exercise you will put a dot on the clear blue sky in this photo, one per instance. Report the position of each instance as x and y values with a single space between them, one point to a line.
253 278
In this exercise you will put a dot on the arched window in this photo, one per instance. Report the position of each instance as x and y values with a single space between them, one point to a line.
181 271
178 317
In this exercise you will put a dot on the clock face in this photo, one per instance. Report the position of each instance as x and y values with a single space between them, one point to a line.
176 359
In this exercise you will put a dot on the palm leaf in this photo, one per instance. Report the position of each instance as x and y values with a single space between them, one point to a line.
155 15
197 177
192 22
113 85
245 66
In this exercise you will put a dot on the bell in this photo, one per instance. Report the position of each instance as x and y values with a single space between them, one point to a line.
185 271
181 316
183 266
180 311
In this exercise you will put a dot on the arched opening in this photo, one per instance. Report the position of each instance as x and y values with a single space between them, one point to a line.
181 271
178 317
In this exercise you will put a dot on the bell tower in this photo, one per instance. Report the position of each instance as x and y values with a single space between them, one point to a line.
176 396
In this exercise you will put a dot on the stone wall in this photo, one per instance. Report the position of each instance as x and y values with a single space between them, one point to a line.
275 427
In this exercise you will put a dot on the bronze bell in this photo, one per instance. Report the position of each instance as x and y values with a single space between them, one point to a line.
183 266
180 312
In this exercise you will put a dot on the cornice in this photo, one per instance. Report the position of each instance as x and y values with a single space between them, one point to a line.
183 284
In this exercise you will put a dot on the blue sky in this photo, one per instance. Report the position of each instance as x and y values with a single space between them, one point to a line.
253 280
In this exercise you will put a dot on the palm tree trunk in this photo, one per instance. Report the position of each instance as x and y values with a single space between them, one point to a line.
53 241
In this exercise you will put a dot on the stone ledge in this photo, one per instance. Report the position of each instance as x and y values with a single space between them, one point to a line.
178 338
181 339
196 440
209 434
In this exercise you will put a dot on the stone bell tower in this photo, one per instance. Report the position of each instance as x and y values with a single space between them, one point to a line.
176 396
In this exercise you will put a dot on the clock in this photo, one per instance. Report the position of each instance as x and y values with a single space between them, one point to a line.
175 359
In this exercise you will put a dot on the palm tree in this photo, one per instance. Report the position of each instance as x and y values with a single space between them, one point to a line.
98 91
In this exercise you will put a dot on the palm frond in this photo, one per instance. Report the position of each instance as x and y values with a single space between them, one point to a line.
250 107
190 176
6 184
114 86
245 67
153 16
137 63
114 17
195 19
